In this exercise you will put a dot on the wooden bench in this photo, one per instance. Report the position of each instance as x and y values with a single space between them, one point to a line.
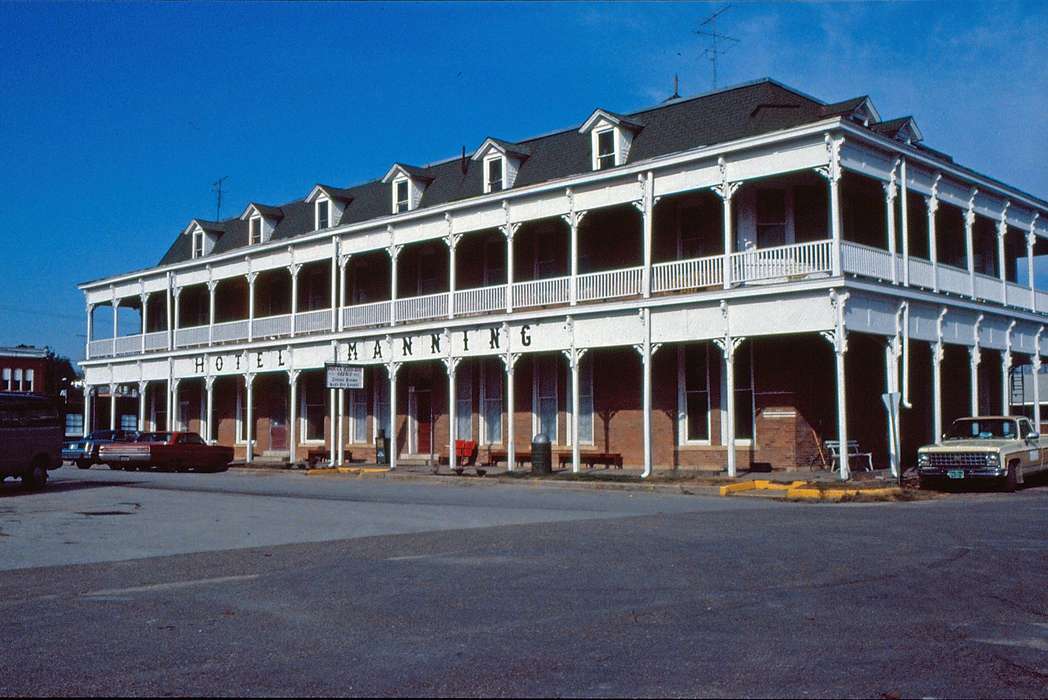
321 455
834 448
591 459
496 456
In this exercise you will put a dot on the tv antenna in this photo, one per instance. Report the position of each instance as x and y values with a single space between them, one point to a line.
716 47
216 187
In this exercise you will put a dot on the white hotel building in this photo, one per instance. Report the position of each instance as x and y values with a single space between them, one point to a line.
716 282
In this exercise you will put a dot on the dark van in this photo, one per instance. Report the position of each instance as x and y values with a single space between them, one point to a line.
31 433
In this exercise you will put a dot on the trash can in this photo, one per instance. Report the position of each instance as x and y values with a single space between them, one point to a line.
382 448
541 455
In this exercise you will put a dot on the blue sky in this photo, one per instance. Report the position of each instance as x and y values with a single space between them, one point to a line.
116 118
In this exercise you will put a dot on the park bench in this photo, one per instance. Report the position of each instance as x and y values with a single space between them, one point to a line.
591 459
834 448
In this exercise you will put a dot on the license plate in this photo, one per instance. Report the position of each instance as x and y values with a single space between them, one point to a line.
955 474
125 458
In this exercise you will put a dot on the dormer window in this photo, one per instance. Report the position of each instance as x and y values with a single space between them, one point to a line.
323 214
198 243
493 177
401 196
255 230
606 149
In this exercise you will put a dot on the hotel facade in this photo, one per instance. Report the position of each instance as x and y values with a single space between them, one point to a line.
717 282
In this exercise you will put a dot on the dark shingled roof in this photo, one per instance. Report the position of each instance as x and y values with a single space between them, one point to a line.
729 114
268 211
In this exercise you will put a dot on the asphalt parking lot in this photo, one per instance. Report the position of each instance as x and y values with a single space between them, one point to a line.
272 583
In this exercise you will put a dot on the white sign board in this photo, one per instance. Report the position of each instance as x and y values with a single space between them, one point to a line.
344 376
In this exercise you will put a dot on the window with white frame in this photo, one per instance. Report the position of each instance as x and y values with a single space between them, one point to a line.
312 406
128 421
494 177
198 243
323 214
585 401
401 196
255 230
381 392
544 401
358 416
18 379
464 402
693 382
491 401
6 379
606 149
74 424
771 218
744 407
28 386
241 412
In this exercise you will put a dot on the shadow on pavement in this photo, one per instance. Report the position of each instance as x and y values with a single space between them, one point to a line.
13 487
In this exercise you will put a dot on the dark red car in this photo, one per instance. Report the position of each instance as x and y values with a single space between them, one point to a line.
172 451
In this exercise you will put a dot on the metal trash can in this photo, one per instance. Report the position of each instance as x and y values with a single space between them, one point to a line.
382 447
541 455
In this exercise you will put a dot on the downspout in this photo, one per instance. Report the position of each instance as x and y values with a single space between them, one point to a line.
904 309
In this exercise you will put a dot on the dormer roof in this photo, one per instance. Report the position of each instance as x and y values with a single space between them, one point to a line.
902 128
215 227
337 193
506 148
409 171
630 123
263 210
859 107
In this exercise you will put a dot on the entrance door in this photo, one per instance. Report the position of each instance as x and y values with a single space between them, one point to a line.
423 422
278 426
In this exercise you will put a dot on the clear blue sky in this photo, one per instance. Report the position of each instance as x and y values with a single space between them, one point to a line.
116 118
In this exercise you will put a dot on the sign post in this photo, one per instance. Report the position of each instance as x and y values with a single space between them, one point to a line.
891 406
339 376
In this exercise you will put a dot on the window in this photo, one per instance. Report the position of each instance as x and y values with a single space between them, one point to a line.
381 404
545 396
198 243
323 214
493 179
694 394
313 403
255 225
241 416
546 255
18 379
358 416
6 385
585 401
128 421
400 197
744 412
29 380
494 262
428 282
605 149
74 424
464 403
771 218
491 401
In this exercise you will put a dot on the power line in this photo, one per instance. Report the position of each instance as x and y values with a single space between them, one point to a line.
715 49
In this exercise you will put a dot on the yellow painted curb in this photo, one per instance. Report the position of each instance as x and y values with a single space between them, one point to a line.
758 485
735 488
837 494
327 471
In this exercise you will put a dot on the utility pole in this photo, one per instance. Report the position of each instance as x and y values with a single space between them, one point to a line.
216 187
715 48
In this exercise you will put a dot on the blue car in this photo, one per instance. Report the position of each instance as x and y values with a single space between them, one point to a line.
84 451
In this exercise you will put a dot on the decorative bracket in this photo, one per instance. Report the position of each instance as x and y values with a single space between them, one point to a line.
728 345
574 356
394 251
451 364
292 376
251 277
509 230
393 368
510 360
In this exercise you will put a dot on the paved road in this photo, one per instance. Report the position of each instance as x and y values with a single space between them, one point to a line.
273 583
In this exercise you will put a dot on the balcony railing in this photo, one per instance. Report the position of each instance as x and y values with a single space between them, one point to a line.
760 266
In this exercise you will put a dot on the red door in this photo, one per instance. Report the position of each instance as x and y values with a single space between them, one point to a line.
424 421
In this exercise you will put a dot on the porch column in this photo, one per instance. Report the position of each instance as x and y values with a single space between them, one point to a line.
116 322
645 349
251 277
173 422
904 207
112 406
891 384
451 241
335 243
932 202
209 387
509 231
725 191
343 263
394 252
890 192
1002 231
728 345
88 396
143 387
293 268
832 172
969 239
143 301
332 428
176 292
649 223
509 360
90 330
574 356
249 426
838 338
212 286
937 355
292 427
451 364
1031 241
340 402
1035 367
1006 366
974 357
393 368
167 311
574 218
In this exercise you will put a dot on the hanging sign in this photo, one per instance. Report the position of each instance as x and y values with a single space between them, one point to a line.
339 376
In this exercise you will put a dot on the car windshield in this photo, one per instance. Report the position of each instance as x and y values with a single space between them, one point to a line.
154 437
982 429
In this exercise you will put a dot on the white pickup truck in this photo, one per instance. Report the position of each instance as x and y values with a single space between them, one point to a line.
1005 449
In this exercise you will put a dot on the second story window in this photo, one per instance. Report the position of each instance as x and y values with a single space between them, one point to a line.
198 244
255 225
493 176
402 202
605 149
323 214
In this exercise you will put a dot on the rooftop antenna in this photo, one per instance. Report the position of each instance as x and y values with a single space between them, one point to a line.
216 187
714 49
676 90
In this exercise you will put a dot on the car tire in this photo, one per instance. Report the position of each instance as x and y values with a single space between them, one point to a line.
1011 479
928 483
83 464
36 478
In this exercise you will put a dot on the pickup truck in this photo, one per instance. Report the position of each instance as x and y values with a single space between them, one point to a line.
1001 449
168 451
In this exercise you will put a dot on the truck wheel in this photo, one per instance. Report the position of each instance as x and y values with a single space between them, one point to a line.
36 477
83 464
1011 481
